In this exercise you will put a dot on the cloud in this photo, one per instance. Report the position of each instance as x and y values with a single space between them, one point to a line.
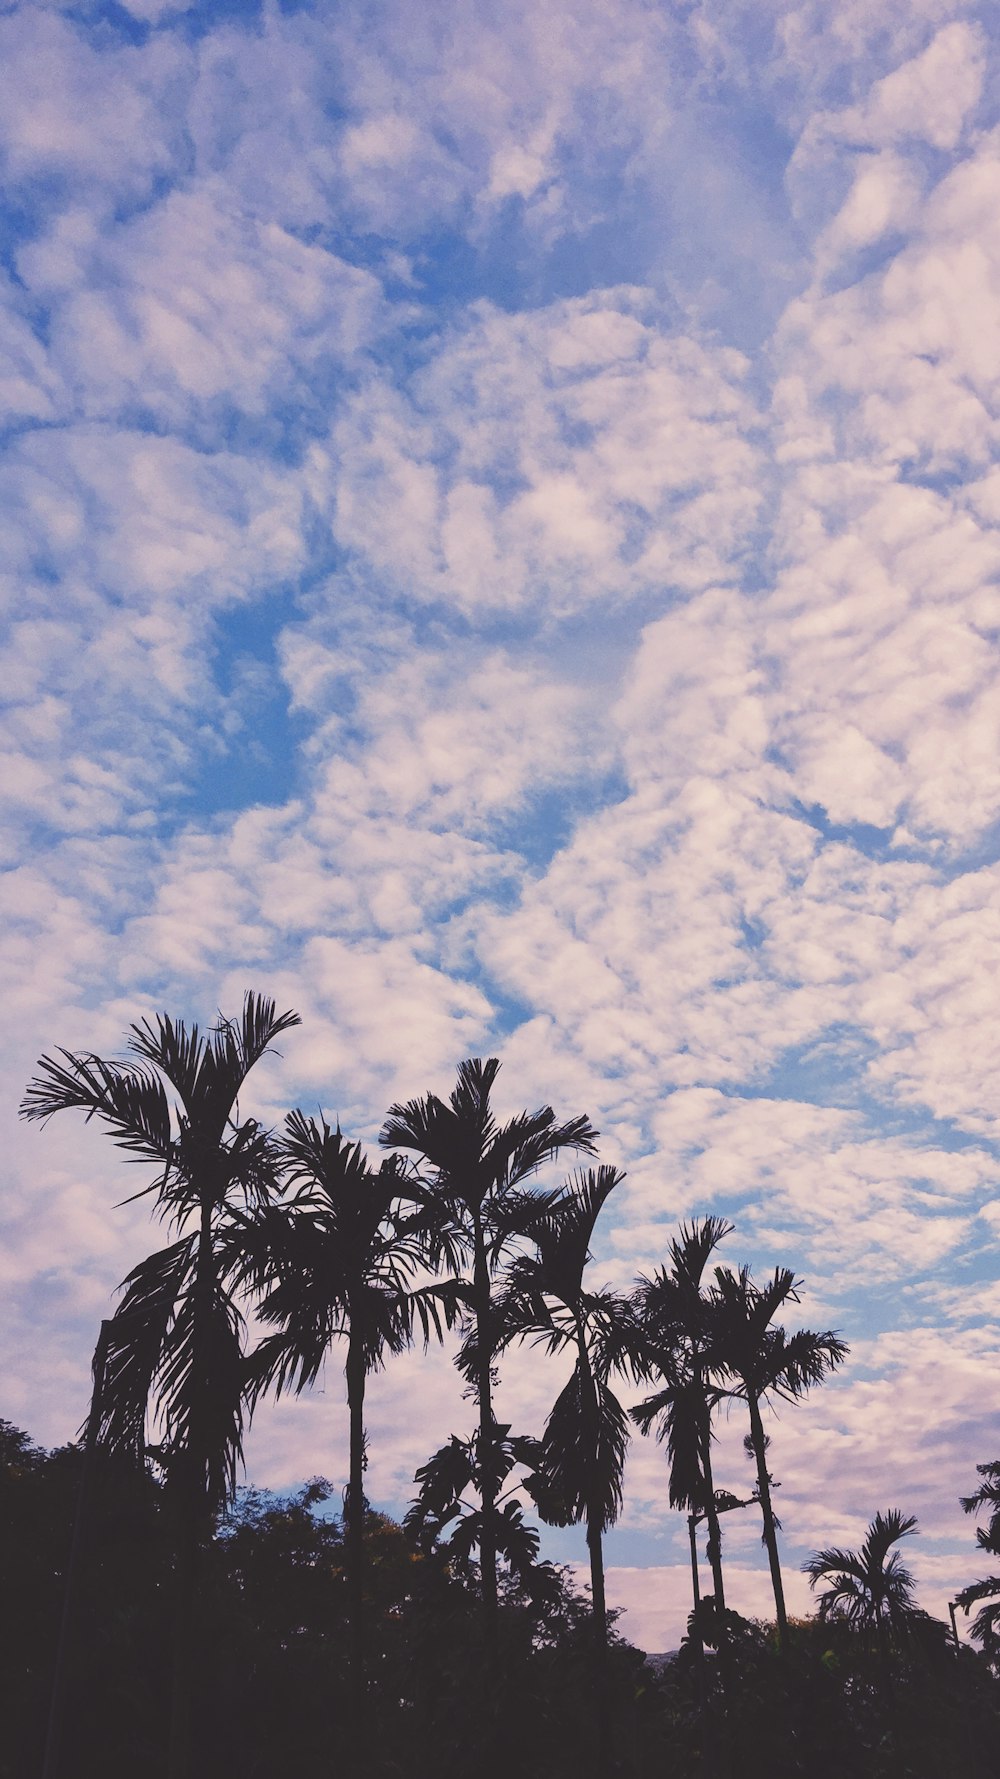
929 97
84 114
576 450
192 311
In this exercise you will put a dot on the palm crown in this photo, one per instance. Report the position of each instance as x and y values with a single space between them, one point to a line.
175 1338
673 1317
544 1299
335 1258
754 1361
870 1588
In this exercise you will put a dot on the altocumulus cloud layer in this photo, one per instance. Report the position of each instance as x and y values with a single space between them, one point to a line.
501 531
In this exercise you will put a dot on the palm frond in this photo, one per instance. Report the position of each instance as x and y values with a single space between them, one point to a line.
131 1101
470 1099
260 1025
681 1414
428 1127
987 1495
174 1050
692 1248
987 1589
138 1343
438 1306
869 1586
201 1391
527 1141
579 1470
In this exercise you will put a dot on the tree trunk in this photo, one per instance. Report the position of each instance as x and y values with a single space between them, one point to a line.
759 1441
57 1703
699 1647
888 1689
595 1517
695 1581
488 1756
185 1612
355 1527
602 1701
487 1466
716 1744
714 1530
190 1485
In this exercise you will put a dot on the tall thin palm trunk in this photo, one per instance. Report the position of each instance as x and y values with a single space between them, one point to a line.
355 1517
193 1513
487 1467
595 1548
695 1579
759 1441
602 1696
714 1529
716 1742
182 1653
57 1702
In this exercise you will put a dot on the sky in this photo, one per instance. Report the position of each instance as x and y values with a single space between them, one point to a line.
501 537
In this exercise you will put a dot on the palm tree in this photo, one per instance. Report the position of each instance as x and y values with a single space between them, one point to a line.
986 1624
756 1362
175 1341
870 1588
578 1475
673 1317
335 1260
477 1169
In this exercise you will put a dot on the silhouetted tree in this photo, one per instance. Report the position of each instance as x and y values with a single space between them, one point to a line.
477 1169
175 1339
117 1691
757 1361
578 1475
337 1260
675 1330
873 1592
870 1588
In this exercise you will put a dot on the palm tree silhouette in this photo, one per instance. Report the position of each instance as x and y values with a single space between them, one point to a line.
870 1588
986 1624
338 1259
477 1169
755 1362
674 1318
578 1475
175 1341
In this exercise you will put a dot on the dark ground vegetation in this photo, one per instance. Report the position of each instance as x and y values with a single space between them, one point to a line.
273 1693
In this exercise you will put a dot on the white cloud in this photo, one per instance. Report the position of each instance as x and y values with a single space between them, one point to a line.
930 96
100 116
192 304
565 455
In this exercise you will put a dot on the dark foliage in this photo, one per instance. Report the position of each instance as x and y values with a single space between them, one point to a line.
275 1688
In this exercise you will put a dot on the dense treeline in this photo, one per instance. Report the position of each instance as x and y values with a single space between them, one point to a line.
272 1696
203 1636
